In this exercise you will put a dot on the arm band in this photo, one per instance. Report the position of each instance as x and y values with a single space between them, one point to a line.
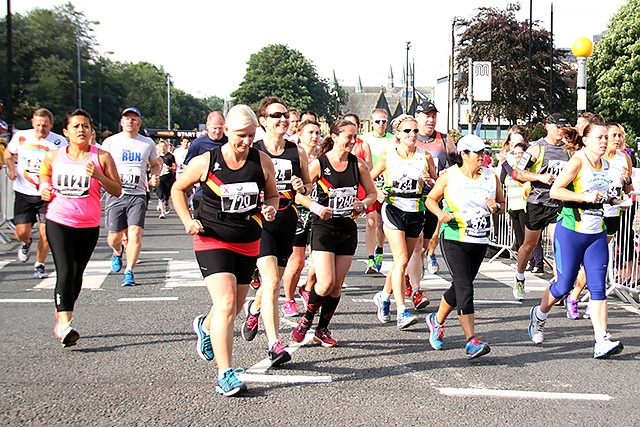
316 208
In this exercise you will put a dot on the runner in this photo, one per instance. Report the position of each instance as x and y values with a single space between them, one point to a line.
580 238
337 174
471 194
226 233
70 180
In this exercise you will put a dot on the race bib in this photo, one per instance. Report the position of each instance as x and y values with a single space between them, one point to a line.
341 201
72 181
477 223
239 197
130 179
284 172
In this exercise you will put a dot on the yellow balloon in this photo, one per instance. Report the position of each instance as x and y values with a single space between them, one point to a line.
582 47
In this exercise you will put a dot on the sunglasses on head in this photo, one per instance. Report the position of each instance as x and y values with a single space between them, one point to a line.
380 121
410 130
278 115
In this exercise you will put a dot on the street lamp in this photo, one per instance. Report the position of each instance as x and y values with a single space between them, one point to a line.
168 101
100 67
406 83
582 48
78 49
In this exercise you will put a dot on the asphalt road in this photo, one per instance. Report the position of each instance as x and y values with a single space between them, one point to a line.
135 363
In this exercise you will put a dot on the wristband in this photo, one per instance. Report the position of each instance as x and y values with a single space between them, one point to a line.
316 208
364 206
499 206
305 190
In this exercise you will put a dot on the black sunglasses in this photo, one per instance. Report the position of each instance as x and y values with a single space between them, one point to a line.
410 130
278 115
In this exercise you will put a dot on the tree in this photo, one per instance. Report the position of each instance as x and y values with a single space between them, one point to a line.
496 35
613 69
278 70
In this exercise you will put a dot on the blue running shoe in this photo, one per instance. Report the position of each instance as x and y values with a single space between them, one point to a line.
476 348
377 259
436 332
128 278
384 312
116 262
405 319
229 384
203 348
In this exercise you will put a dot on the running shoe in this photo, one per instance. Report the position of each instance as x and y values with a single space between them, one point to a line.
324 338
229 384
572 308
432 264
290 309
66 334
607 348
304 294
408 288
377 258
116 261
587 312
518 289
536 326
300 331
203 347
405 319
420 300
538 270
250 326
384 312
23 252
372 268
162 215
255 280
278 355
436 332
128 279
476 348
167 210
39 272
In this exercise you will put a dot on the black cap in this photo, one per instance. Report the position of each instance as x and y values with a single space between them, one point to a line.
426 107
557 119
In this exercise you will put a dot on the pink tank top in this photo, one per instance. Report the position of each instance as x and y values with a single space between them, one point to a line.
76 202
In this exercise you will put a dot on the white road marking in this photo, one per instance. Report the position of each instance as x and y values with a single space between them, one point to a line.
262 366
148 299
158 252
473 392
183 273
286 379
94 275
4 263
49 300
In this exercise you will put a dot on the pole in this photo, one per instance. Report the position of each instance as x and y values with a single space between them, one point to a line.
450 89
551 66
406 83
470 96
99 100
582 84
9 73
530 53
79 103
168 102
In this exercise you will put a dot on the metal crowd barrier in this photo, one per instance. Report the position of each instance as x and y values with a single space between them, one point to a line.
6 204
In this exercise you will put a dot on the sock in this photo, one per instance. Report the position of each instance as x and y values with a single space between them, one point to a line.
36 264
272 343
222 372
385 296
520 276
205 330
328 309
252 311
378 250
540 315
315 303
401 309
371 256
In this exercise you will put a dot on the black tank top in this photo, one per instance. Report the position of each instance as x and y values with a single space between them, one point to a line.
338 190
286 165
231 199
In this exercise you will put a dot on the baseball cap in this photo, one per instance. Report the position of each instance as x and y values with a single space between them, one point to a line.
471 143
557 119
131 110
426 107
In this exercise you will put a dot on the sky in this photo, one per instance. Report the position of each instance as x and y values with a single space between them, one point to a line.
205 44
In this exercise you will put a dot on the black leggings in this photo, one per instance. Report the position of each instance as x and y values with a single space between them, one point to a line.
71 249
163 190
463 261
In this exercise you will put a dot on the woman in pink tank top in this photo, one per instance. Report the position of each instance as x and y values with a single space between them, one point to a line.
70 180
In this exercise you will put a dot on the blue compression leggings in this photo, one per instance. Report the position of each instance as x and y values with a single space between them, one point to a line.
573 249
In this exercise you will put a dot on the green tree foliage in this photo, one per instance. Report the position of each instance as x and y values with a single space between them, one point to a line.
284 72
45 48
496 35
613 71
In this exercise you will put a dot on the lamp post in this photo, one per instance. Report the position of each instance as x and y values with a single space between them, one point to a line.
582 48
451 88
78 49
169 101
100 67
406 83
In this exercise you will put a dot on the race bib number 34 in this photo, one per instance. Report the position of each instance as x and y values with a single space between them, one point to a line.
239 197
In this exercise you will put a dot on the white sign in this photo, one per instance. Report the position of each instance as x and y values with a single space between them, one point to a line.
482 81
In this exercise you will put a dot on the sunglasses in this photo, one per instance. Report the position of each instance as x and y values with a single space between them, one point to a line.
278 115
380 121
410 130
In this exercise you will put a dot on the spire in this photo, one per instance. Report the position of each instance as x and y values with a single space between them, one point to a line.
359 85
390 76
